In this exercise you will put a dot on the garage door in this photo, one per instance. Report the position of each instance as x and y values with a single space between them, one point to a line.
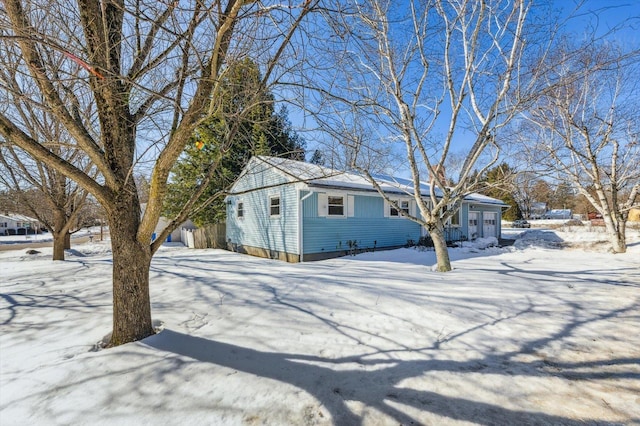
489 224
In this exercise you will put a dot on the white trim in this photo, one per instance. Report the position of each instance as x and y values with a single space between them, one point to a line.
323 204
300 224
398 201
237 209
344 205
271 197
351 206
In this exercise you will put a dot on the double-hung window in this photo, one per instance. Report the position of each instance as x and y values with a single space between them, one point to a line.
335 206
404 207
274 206
240 209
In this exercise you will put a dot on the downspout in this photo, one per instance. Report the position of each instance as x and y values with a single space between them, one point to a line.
300 227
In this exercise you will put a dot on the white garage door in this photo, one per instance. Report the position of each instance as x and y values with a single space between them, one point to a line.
489 224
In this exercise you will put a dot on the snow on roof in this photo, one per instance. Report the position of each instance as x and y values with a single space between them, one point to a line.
18 217
319 176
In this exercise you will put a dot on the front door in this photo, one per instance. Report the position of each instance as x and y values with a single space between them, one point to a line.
473 225
489 225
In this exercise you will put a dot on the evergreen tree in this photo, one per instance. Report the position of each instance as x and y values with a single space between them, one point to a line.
317 158
499 183
244 123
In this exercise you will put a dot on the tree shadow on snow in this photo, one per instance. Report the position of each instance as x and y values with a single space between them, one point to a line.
372 382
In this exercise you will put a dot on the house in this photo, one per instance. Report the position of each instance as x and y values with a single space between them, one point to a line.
17 224
295 211
558 214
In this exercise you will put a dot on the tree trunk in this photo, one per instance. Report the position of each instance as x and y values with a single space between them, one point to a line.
67 240
436 231
131 264
58 244
616 233
59 233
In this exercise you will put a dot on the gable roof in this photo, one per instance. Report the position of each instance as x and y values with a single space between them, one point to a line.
315 176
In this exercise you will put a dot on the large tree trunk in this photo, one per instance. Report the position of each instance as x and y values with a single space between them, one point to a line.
436 231
131 264
67 240
58 244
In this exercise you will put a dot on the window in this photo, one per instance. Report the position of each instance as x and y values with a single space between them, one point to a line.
404 207
453 220
336 206
240 209
274 206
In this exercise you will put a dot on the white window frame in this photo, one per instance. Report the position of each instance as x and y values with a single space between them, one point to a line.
271 205
343 205
390 209
240 209
407 210
348 205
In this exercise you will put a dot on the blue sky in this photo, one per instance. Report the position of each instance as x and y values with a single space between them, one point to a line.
617 20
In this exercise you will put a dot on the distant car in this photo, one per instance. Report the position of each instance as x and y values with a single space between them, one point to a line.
521 223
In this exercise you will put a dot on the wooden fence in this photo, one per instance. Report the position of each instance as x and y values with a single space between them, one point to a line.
209 236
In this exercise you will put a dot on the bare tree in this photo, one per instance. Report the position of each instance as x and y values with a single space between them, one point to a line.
46 193
427 76
584 129
152 70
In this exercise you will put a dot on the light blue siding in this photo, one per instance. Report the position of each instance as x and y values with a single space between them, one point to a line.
368 227
258 228
480 209
364 219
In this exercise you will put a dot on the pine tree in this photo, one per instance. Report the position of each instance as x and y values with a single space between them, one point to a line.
499 184
246 111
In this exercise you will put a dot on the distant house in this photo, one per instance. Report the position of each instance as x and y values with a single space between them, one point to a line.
296 211
17 224
558 214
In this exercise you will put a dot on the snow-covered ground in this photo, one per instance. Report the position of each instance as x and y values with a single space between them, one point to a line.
542 332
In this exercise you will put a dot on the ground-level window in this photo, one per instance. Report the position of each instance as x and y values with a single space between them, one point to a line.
404 207
455 219
240 209
336 206
274 206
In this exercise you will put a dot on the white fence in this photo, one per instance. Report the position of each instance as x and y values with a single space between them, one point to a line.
186 236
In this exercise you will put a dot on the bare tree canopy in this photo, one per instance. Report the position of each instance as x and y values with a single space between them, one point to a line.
426 77
584 128
129 82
